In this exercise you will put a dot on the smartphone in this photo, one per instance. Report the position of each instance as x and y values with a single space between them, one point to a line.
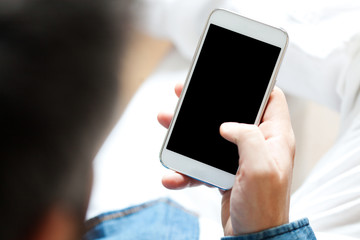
232 75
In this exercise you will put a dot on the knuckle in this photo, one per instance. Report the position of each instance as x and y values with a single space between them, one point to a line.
264 174
290 143
278 92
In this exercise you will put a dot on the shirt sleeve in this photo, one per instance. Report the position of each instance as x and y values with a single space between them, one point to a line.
320 50
330 196
295 230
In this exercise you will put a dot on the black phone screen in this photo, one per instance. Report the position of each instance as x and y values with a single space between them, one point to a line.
228 84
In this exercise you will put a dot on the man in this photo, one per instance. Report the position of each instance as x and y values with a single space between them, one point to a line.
58 89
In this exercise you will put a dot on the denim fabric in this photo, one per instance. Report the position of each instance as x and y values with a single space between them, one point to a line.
160 219
295 230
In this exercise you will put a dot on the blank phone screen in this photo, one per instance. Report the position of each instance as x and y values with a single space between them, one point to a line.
228 84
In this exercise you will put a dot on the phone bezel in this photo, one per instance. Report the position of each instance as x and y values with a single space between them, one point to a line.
251 28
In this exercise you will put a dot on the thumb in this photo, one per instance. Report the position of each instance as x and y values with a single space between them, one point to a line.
248 138
240 133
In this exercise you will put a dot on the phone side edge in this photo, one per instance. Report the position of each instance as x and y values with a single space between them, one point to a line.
273 79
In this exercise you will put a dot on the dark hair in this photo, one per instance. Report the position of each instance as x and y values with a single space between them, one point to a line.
58 86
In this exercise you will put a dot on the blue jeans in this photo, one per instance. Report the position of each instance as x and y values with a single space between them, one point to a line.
160 219
164 219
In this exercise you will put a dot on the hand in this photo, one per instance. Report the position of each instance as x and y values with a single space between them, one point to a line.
260 196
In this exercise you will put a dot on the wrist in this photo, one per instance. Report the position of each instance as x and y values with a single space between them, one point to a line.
261 224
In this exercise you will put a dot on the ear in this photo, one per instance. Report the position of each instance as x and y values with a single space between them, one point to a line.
57 224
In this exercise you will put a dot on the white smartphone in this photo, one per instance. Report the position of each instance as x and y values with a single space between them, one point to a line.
232 75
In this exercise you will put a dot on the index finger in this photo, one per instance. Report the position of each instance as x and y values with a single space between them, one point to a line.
276 119
176 181
178 89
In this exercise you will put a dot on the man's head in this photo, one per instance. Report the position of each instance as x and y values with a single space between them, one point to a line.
58 86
